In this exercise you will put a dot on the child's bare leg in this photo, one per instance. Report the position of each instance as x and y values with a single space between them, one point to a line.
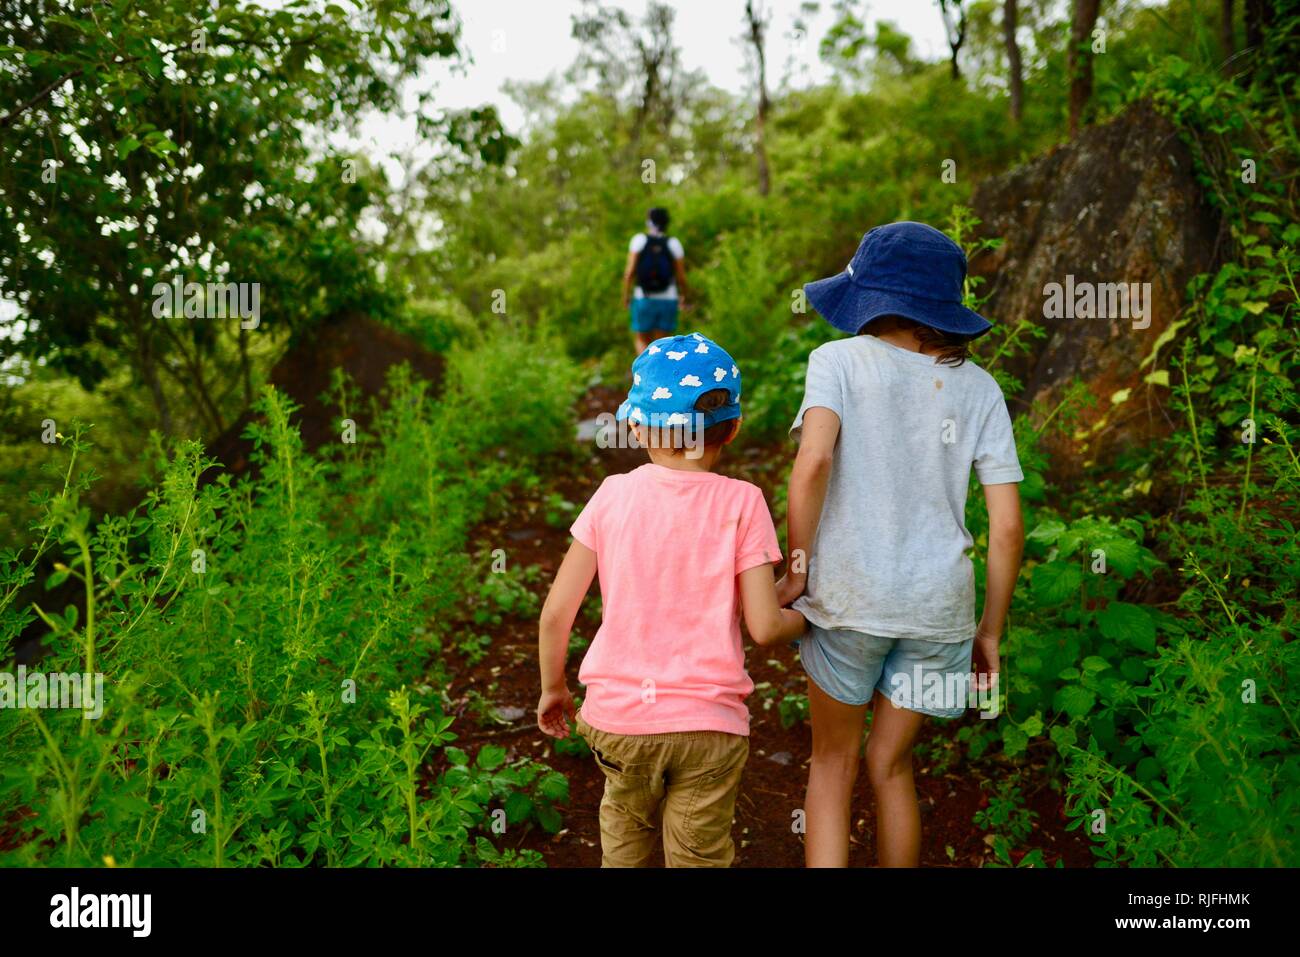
889 767
837 743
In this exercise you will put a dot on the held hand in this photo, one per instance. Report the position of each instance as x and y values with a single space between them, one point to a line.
790 587
554 711
985 661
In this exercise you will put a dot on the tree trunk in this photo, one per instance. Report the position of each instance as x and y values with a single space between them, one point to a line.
1257 12
1015 78
1080 59
650 63
149 373
1226 32
192 382
1262 22
244 366
757 29
956 31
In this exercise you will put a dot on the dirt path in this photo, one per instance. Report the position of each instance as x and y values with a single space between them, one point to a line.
772 788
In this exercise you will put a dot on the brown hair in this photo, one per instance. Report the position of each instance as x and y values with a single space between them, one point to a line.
948 348
673 437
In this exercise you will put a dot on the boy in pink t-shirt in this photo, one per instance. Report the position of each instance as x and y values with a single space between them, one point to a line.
680 551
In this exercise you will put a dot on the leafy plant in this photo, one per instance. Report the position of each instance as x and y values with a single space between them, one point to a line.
1009 822
263 656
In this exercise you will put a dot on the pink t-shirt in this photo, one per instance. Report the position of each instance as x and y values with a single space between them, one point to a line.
669 544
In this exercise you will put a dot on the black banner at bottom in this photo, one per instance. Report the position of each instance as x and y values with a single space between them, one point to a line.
501 906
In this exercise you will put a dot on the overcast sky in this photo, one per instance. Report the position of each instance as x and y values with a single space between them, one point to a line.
529 40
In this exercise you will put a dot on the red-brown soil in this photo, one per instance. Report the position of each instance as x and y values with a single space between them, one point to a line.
949 784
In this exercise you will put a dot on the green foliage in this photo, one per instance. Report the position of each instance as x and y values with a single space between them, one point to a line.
793 709
1150 659
1176 723
1008 822
162 141
1205 761
263 644
510 592
527 790
184 154
520 402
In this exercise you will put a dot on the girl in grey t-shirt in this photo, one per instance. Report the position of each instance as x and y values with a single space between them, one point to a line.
892 423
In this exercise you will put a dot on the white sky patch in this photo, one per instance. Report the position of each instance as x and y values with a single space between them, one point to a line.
527 41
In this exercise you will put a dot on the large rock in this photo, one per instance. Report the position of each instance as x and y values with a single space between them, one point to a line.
1119 204
363 348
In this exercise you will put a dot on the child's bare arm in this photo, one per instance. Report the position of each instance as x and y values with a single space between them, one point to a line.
767 621
629 279
807 494
1006 541
561 608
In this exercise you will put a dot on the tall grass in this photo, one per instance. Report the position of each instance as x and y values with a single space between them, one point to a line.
272 645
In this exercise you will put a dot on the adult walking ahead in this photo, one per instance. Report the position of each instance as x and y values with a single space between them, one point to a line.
654 282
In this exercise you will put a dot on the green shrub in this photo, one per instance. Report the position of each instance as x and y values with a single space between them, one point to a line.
264 645
1176 725
513 391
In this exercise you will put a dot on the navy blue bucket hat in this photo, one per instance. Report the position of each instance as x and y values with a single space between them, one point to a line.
903 269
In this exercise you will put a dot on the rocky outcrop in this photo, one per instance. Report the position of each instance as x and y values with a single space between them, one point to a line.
362 348
1117 205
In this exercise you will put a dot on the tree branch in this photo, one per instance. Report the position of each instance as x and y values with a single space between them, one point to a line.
22 108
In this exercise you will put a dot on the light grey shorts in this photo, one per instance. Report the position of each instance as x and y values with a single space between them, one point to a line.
930 677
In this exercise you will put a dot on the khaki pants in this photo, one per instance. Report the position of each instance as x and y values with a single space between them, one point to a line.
683 784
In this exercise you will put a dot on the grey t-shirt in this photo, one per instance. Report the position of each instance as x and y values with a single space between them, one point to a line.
890 556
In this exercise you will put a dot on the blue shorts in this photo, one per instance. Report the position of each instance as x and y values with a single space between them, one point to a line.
930 677
648 314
